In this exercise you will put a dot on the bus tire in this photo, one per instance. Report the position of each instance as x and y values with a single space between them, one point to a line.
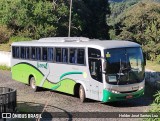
33 84
82 95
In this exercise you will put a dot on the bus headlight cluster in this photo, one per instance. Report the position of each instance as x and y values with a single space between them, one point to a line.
113 91
140 88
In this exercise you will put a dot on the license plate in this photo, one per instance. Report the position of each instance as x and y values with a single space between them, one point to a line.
129 96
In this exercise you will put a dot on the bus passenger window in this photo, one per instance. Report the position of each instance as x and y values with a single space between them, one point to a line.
44 54
38 53
22 52
73 56
50 54
64 55
58 55
15 52
33 53
80 57
27 52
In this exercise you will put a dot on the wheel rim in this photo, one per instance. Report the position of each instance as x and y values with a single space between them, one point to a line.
33 84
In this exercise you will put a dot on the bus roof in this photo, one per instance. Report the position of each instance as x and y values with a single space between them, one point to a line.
78 42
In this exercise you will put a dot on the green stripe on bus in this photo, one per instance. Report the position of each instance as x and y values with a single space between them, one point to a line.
69 73
63 75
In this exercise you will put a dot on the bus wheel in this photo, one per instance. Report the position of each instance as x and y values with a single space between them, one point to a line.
82 95
33 84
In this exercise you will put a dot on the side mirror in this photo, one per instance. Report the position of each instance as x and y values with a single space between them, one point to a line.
144 57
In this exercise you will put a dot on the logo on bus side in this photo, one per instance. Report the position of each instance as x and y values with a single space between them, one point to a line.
40 65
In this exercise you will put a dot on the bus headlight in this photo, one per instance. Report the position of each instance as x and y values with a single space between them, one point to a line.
140 88
113 91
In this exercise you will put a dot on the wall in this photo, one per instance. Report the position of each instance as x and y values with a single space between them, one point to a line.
5 58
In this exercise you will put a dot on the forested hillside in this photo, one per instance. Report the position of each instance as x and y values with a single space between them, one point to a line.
137 21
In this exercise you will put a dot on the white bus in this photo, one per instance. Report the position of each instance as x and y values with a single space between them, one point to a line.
106 71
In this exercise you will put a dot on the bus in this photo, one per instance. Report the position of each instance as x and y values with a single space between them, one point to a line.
108 70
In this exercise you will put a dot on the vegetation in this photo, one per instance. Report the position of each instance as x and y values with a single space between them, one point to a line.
46 18
4 67
153 65
139 21
155 107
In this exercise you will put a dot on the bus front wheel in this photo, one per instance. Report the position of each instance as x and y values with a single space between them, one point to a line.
82 95
33 84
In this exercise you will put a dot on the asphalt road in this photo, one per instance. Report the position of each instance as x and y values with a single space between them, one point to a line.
29 101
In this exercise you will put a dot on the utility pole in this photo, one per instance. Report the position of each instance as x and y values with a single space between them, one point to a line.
70 15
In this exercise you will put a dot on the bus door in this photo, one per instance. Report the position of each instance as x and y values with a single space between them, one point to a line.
95 67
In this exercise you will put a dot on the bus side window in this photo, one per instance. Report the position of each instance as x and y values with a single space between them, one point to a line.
58 55
15 52
50 54
44 54
33 53
73 56
38 53
80 56
27 51
64 55
22 52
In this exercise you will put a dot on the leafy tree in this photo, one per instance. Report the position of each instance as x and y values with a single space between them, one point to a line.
34 19
141 23
92 14
45 18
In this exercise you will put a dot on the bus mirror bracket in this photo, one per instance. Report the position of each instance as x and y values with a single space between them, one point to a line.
104 67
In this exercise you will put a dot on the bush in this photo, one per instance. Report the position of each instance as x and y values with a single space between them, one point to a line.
155 107
5 34
19 38
158 58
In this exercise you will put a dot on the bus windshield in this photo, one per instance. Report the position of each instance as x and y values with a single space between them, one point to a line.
124 65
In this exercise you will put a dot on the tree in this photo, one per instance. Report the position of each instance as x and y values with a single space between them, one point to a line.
45 18
141 23
92 14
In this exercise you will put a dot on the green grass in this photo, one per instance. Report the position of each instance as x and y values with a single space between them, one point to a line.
5 47
4 67
153 65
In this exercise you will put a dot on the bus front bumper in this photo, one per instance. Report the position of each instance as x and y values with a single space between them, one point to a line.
109 96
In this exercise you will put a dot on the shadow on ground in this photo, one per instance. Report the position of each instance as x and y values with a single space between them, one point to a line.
33 108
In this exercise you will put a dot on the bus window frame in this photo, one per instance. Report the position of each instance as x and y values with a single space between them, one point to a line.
84 56
15 54
55 55
37 47
31 53
52 61
77 53
67 55
42 54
